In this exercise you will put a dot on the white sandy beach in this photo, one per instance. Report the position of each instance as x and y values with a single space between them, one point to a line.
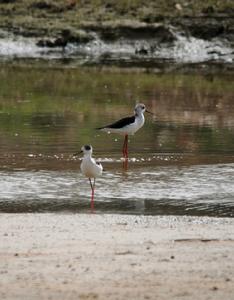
75 256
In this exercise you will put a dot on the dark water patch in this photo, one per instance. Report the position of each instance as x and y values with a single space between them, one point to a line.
117 206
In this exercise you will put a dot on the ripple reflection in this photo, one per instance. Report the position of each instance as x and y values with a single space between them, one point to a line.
187 190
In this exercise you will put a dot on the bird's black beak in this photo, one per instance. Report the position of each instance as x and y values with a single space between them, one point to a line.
77 153
149 112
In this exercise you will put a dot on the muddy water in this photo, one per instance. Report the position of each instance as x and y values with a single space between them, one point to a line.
181 162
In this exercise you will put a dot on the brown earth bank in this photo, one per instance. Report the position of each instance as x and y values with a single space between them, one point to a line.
160 36
75 20
75 256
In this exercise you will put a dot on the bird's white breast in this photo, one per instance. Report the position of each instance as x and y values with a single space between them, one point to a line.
134 127
90 168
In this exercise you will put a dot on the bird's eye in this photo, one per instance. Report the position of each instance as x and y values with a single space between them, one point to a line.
143 107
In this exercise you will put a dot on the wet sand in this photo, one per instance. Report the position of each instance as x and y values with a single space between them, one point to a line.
78 256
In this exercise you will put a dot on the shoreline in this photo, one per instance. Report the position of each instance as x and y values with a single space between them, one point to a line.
162 37
79 256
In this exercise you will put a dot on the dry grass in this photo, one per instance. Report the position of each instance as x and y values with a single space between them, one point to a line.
47 16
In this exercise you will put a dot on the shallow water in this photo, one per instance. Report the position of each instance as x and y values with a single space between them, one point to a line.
193 190
181 161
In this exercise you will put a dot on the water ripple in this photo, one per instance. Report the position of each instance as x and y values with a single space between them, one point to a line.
191 190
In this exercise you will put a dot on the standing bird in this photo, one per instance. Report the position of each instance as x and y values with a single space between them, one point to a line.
90 168
128 126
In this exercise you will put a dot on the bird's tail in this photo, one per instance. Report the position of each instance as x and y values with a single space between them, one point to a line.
100 128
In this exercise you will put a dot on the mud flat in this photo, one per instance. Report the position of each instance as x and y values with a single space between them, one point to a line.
78 256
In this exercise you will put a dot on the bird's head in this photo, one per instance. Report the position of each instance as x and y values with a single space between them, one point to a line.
86 149
140 109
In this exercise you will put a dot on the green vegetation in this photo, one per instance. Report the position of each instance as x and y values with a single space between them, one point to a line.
47 17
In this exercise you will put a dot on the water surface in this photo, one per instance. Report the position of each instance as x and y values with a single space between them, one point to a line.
181 161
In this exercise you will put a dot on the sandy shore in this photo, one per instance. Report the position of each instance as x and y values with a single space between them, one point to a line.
72 256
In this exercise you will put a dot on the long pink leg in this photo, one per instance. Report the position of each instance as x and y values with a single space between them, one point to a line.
125 146
92 193
125 153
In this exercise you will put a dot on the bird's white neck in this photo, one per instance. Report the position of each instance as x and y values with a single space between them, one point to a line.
139 115
87 156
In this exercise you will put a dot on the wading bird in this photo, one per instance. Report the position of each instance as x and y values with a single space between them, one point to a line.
128 126
90 168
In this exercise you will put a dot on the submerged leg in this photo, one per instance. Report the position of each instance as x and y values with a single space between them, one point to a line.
125 164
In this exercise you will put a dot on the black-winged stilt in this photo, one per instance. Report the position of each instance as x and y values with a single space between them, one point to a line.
128 126
90 168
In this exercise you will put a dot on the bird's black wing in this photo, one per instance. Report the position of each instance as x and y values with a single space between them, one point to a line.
121 123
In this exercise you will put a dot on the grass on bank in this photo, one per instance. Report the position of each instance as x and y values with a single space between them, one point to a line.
51 15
